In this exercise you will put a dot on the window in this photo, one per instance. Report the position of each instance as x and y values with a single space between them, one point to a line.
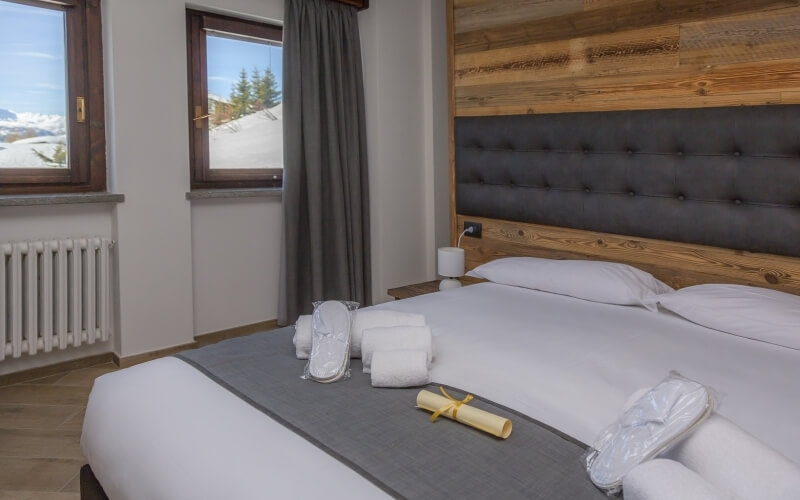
235 111
52 130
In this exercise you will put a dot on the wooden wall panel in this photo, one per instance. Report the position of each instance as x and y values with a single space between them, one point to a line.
762 36
555 56
503 12
551 56
677 264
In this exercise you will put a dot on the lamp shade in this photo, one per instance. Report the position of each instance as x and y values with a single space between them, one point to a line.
451 262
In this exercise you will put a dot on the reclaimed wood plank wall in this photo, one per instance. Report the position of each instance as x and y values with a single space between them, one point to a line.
554 56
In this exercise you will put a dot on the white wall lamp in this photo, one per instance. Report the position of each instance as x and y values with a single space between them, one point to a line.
451 263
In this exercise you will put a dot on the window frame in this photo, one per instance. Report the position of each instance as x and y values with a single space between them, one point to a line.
202 176
86 139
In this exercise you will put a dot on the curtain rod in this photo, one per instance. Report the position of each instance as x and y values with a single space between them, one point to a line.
359 4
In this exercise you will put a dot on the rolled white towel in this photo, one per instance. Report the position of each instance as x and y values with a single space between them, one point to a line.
662 479
302 337
400 369
737 463
374 318
395 338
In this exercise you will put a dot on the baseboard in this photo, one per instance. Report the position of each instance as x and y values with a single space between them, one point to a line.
239 331
199 341
76 364
64 366
136 359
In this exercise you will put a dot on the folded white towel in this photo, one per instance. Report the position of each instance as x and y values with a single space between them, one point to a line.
302 337
395 338
662 479
737 463
374 318
400 369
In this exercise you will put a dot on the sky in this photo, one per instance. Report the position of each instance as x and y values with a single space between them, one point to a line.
226 58
32 71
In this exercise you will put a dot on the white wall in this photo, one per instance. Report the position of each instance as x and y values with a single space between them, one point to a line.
147 98
188 268
235 262
403 79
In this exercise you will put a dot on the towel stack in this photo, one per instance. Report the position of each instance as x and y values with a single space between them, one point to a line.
397 356
396 348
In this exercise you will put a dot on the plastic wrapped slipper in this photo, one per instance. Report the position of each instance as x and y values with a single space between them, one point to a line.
660 418
329 360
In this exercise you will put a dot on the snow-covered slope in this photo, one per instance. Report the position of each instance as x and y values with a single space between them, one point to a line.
22 153
252 141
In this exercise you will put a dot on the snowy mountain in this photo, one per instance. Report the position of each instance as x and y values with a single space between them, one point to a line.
36 124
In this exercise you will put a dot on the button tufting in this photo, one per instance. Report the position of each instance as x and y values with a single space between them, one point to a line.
630 151
588 190
680 153
681 197
737 201
737 153
631 193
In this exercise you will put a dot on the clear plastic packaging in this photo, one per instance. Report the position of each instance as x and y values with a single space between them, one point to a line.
329 359
661 417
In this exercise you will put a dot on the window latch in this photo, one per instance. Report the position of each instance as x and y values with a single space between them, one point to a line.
80 109
199 117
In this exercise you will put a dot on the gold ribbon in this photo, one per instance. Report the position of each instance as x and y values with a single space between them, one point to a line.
454 403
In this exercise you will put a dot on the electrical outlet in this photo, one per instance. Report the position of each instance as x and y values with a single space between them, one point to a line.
476 229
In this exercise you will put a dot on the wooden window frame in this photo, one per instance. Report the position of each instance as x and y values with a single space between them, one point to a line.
202 176
86 140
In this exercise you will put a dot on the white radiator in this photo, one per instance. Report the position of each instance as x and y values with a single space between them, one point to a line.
54 294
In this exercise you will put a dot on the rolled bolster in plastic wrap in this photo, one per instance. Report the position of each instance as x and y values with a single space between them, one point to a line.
460 411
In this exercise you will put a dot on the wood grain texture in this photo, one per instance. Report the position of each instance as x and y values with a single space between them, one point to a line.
761 36
687 87
677 264
416 289
502 12
602 4
615 55
633 15
451 113
650 50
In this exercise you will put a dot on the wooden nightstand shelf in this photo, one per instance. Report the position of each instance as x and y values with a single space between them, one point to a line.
404 292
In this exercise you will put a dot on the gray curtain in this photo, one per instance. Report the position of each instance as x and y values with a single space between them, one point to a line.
326 252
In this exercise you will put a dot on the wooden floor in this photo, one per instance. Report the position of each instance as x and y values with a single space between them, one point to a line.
40 430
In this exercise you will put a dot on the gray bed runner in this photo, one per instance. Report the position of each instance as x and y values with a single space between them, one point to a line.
382 436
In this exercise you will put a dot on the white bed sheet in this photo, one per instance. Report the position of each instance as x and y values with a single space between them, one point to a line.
164 430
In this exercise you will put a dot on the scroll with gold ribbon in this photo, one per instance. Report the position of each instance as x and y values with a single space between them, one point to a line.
460 411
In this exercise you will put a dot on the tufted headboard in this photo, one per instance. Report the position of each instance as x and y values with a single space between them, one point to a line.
714 177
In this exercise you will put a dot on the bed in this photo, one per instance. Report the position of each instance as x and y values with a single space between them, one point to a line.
165 430
692 196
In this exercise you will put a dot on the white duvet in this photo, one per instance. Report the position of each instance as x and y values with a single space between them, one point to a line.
164 430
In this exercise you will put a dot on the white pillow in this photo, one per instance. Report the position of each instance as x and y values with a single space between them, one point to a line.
605 282
747 311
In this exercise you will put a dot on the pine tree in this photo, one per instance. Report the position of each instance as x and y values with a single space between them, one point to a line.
268 92
241 96
256 90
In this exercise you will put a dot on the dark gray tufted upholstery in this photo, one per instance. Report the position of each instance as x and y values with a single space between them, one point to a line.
727 177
